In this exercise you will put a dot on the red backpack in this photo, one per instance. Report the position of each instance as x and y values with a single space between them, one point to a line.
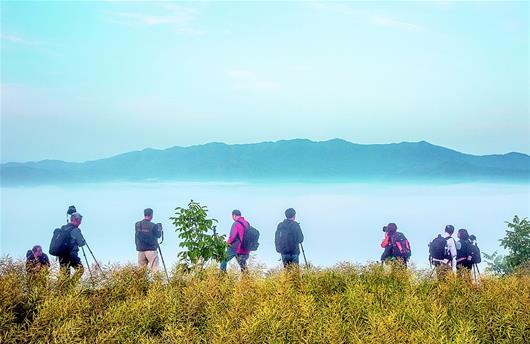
400 246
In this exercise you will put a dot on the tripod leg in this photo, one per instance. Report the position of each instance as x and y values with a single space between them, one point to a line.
163 263
95 260
87 266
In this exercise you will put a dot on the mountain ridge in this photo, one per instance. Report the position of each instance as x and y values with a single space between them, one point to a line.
297 159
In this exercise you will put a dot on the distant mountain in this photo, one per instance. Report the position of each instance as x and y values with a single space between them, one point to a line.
291 160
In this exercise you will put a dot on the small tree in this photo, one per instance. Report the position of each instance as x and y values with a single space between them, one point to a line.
193 228
517 242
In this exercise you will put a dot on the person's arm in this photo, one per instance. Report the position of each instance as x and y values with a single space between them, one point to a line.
78 237
277 239
452 249
300 234
385 241
233 233
157 230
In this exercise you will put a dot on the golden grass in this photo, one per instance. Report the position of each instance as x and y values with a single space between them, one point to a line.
344 304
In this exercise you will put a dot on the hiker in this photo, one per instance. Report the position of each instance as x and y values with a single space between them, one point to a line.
442 251
288 238
69 258
146 238
235 240
36 260
464 257
395 244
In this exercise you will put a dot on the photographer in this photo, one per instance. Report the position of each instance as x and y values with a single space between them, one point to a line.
395 244
146 238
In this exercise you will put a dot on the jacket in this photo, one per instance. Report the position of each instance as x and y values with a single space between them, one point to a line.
237 233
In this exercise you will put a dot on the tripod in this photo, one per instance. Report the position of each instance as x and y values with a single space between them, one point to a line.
476 272
162 257
303 254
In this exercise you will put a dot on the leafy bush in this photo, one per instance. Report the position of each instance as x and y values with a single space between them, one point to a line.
344 304
517 243
193 227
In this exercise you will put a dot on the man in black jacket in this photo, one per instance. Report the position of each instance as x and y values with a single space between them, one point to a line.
288 238
146 238
71 259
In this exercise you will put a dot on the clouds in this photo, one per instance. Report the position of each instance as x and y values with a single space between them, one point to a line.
180 18
19 40
395 24
251 80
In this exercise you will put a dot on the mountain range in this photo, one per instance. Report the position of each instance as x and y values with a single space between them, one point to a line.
287 160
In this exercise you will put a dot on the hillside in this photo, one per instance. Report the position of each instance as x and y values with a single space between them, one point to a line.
293 160
344 304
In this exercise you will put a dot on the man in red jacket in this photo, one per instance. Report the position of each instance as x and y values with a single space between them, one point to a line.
237 232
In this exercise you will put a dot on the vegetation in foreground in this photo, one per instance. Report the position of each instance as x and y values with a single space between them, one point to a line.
344 304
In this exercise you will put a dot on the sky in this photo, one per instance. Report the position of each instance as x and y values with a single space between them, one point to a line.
87 80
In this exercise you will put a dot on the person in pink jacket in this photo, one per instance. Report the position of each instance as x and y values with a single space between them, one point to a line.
235 240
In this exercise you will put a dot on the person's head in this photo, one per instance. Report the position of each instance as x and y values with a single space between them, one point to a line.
76 219
391 228
290 214
148 214
236 214
472 237
449 229
37 251
463 235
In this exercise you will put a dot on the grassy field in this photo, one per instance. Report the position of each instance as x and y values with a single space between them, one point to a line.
343 304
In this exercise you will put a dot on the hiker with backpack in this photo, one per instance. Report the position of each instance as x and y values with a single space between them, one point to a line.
146 240
288 238
235 242
442 251
65 245
464 259
395 244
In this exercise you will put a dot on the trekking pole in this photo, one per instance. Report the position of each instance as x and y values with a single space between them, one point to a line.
162 257
303 253
97 264
88 266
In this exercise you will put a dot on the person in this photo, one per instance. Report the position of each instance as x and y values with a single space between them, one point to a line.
36 261
71 259
146 239
464 262
234 241
395 245
288 238
443 251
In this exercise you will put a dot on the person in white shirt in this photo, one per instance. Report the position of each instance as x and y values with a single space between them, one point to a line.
446 259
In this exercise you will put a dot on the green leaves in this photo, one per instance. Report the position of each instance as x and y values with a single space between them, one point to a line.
517 243
198 236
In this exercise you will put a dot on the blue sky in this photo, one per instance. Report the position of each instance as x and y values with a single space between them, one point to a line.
84 80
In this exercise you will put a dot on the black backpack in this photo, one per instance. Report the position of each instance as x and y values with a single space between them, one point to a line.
475 254
250 238
438 248
286 239
60 244
401 246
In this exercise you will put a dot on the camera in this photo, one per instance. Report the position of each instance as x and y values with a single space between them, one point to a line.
384 228
71 210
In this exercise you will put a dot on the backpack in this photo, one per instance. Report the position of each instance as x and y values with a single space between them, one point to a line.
475 254
438 248
286 240
250 238
401 246
60 244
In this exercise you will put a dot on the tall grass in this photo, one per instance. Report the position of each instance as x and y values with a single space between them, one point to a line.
344 304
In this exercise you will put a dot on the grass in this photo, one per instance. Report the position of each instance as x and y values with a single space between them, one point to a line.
343 304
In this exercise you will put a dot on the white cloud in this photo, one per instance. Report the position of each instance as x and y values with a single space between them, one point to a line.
247 79
17 39
161 14
395 24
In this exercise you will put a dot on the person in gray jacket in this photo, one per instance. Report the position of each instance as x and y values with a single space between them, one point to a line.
288 238
72 260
